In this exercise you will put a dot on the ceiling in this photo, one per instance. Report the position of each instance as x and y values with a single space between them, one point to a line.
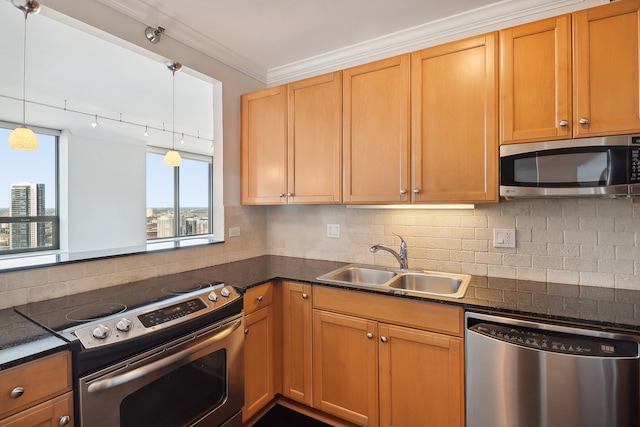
279 40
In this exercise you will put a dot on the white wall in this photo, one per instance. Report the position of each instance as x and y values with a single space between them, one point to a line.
106 198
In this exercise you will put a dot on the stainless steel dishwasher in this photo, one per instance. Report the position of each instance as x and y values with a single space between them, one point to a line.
522 373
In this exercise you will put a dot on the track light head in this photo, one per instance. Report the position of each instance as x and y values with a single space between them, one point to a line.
153 34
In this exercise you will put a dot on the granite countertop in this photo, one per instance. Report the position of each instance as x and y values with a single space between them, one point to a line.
22 341
584 305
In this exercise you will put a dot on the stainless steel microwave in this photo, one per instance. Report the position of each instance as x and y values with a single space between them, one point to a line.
589 167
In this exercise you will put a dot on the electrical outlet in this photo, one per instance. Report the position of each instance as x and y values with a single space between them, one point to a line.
333 231
504 238
234 231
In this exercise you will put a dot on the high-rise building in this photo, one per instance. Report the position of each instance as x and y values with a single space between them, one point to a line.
27 199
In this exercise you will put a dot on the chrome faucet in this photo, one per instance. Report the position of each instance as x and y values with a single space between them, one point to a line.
402 257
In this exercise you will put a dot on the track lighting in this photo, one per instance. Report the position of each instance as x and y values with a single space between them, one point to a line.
172 158
153 34
23 138
95 123
146 131
182 139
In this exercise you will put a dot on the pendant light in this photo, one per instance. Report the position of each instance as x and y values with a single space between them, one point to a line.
23 138
172 158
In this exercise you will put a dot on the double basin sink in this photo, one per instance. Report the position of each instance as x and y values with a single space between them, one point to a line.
405 282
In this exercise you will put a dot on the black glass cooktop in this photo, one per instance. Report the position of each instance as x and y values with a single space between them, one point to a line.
66 312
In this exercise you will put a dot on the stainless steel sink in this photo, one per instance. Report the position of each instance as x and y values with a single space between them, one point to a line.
359 274
405 282
431 283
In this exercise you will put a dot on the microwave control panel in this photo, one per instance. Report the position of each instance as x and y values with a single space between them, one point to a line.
634 164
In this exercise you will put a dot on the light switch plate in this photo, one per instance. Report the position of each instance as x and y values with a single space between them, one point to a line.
504 238
333 231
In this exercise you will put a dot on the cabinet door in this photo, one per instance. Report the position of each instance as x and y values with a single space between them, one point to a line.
54 412
455 141
264 146
535 81
297 341
315 140
606 90
258 361
376 131
421 378
345 367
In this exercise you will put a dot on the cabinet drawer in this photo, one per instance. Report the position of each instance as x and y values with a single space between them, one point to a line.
258 297
40 380
54 412
400 311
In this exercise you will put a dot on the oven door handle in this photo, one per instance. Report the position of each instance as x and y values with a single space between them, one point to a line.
184 355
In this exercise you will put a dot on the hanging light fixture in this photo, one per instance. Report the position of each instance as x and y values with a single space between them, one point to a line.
95 123
172 158
23 138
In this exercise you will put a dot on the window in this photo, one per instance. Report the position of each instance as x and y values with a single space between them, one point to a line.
178 199
28 194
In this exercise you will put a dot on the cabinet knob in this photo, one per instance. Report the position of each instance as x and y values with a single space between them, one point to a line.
289 194
280 194
403 191
305 296
64 420
583 121
563 123
246 331
369 335
416 191
383 339
17 392
259 298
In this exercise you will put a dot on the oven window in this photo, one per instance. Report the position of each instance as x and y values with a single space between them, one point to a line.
574 168
179 398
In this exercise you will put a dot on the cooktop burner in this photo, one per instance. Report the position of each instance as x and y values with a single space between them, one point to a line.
95 311
179 288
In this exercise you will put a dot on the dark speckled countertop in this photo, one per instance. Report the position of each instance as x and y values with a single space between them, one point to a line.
22 341
598 307
585 305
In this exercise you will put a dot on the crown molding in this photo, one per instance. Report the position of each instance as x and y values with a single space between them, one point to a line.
140 11
502 14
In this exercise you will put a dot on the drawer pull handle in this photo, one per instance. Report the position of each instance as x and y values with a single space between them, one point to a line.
17 392
259 298
64 420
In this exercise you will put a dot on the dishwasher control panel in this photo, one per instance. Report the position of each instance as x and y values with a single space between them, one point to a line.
557 342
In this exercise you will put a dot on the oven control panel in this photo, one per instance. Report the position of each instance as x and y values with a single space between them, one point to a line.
146 320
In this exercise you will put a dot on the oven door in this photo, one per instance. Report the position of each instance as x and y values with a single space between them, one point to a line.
196 380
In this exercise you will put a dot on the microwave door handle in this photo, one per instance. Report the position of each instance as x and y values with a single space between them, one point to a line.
164 362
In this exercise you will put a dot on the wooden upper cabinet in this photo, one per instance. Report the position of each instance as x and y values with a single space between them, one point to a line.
535 81
606 74
315 140
376 131
264 146
455 121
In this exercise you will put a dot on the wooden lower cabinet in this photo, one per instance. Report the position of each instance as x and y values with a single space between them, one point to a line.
385 361
345 367
421 378
54 412
297 344
259 386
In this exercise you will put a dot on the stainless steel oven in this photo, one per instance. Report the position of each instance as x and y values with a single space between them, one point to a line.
183 383
166 351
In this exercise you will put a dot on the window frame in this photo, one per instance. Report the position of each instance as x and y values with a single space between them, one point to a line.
178 240
54 219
